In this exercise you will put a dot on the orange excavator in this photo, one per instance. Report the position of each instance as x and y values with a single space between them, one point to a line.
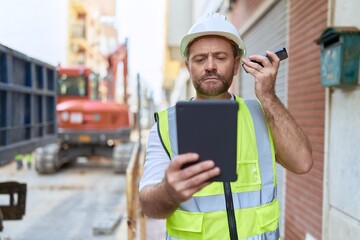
88 126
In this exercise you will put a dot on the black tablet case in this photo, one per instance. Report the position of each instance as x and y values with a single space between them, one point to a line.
209 128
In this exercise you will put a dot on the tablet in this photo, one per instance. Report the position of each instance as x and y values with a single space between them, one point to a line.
209 128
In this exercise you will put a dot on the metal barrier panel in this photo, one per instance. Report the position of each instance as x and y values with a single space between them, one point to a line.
27 103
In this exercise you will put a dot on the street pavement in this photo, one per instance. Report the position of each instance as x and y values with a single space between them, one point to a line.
67 205
155 230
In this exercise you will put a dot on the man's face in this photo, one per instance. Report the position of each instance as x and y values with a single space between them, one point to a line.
212 66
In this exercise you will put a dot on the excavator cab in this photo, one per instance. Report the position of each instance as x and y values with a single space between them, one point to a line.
87 126
77 83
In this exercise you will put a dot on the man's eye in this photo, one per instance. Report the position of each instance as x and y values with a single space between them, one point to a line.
199 60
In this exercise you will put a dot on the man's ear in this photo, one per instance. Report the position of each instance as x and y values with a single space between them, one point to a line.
187 64
237 64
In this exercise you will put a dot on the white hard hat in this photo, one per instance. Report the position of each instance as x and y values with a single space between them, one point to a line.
212 24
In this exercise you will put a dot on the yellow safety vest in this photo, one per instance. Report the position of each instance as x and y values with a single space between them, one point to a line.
256 207
28 157
19 157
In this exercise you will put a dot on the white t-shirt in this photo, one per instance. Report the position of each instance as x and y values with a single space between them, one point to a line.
156 160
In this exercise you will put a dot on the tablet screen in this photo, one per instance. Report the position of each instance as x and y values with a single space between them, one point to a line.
209 127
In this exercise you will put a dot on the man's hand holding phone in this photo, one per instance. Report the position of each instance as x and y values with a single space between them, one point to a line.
264 69
280 53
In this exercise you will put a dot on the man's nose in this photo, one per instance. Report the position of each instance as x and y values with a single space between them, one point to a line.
210 64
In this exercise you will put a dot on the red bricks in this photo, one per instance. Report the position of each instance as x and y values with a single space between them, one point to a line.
306 101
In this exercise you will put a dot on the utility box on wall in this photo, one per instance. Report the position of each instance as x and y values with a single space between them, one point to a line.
340 56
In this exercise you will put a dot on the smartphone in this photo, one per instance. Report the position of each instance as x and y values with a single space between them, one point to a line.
281 53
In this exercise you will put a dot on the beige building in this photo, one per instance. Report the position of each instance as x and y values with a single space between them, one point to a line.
90 37
66 32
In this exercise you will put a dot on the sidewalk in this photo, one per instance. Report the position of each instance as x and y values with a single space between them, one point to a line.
155 230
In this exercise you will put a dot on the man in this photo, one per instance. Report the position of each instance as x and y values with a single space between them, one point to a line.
193 207
19 161
28 160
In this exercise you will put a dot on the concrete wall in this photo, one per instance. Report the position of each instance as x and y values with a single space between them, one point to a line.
201 7
179 21
341 198
347 13
343 165
37 28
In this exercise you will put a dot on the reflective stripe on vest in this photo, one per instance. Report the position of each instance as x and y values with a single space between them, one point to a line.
261 202
265 236
165 119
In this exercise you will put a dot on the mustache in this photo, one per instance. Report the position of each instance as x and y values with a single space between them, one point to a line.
211 75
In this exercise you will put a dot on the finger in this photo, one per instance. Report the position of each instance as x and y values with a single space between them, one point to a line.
252 67
181 159
184 187
260 60
245 67
203 177
199 181
275 60
191 191
254 63
248 66
197 169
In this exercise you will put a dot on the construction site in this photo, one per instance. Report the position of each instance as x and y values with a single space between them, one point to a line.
80 81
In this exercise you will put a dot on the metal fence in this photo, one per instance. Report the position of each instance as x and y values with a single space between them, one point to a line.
27 103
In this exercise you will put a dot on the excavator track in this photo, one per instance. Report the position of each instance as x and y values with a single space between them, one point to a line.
47 159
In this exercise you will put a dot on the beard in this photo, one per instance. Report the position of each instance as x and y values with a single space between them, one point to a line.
212 88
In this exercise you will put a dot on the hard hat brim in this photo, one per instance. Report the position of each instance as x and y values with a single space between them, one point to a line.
186 40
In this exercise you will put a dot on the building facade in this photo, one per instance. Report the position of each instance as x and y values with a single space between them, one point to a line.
341 208
71 32
321 204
